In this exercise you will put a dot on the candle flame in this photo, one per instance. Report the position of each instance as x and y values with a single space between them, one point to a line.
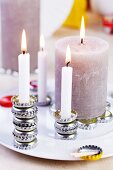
82 30
23 42
42 42
68 55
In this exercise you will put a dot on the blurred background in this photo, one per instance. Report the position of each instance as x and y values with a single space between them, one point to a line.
54 19
67 14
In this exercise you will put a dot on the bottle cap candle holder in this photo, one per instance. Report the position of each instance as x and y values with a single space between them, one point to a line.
22 136
106 117
25 113
45 103
66 128
81 124
91 123
87 148
25 145
25 123
16 103
87 124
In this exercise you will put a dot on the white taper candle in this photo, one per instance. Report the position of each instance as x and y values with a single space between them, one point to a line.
24 71
42 72
66 87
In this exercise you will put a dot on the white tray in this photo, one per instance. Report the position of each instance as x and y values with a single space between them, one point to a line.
51 148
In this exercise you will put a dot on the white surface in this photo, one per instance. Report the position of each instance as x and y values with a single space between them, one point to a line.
51 148
53 14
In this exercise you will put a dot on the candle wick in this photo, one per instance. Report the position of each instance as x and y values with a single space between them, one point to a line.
82 41
23 52
67 64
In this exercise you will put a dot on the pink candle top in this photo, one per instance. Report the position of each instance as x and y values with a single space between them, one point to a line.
91 45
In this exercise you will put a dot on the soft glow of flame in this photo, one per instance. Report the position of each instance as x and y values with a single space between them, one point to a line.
82 29
42 42
68 55
23 42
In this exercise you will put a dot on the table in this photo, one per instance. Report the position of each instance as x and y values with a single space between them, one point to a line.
10 160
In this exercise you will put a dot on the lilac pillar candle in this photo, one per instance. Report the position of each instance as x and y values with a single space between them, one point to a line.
90 64
16 15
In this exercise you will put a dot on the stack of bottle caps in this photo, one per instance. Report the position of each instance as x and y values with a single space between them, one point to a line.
25 123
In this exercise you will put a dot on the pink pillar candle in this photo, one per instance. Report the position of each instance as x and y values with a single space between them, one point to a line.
16 15
90 65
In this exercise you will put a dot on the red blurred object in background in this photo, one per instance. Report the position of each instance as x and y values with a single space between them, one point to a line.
6 101
108 24
33 85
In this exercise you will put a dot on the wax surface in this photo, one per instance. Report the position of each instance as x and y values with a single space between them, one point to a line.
90 64
17 15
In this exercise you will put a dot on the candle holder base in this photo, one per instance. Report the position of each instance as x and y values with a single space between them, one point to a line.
66 129
90 123
28 113
45 103
87 124
23 137
25 145
106 117
66 137
25 123
17 104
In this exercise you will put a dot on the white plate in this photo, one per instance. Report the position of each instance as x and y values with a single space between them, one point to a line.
51 148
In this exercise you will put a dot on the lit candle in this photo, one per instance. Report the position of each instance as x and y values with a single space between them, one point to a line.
90 65
66 87
82 31
24 71
42 71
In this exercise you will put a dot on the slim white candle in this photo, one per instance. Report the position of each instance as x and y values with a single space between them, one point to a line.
66 87
24 71
42 72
